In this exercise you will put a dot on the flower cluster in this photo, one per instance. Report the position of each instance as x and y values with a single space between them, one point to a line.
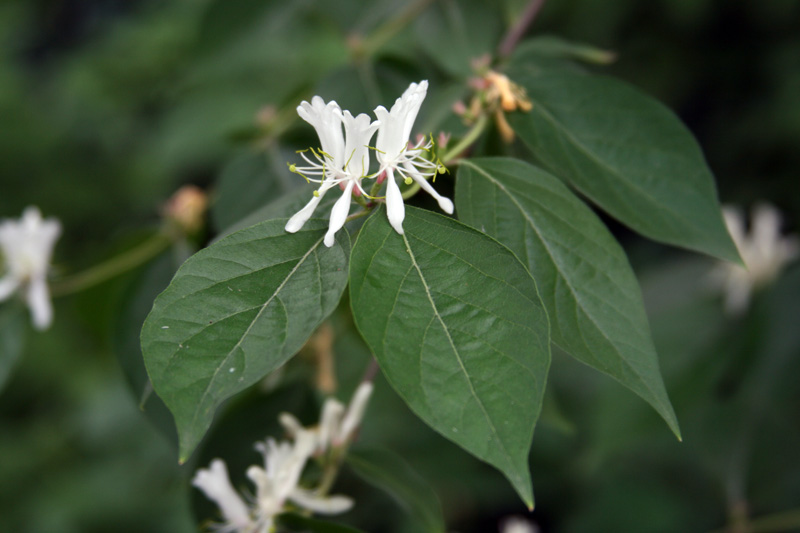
278 481
764 251
343 158
27 245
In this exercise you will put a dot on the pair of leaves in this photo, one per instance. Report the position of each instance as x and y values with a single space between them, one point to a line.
452 316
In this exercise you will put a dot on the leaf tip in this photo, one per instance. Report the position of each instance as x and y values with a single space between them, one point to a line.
676 430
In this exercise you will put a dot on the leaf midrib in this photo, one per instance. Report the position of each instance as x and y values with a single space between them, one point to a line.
455 351
224 361
566 280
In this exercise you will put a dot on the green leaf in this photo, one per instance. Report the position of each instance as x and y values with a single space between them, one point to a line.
627 153
296 522
590 292
388 471
236 311
458 328
12 337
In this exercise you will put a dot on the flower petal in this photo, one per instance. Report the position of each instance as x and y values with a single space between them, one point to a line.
327 121
445 204
38 299
395 209
327 505
339 213
355 412
216 485
331 416
358 132
301 217
8 284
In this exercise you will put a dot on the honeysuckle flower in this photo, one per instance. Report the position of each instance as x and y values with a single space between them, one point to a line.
337 425
27 246
277 483
343 160
764 251
394 154
216 485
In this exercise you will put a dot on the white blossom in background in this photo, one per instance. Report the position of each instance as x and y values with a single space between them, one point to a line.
343 160
27 246
278 480
216 485
764 250
517 524
395 155
337 425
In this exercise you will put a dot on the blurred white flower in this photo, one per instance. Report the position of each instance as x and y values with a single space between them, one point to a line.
517 524
337 426
216 485
343 160
394 154
27 246
276 483
763 249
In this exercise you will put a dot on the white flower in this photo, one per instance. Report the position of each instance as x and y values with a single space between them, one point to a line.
343 160
517 524
27 246
394 155
276 483
336 426
764 251
216 485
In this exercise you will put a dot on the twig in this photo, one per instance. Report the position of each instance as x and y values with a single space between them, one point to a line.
518 30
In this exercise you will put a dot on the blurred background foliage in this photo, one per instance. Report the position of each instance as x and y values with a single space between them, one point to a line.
109 106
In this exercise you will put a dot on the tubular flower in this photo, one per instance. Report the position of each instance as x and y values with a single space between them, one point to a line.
395 155
27 246
342 160
276 483
764 251
337 425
